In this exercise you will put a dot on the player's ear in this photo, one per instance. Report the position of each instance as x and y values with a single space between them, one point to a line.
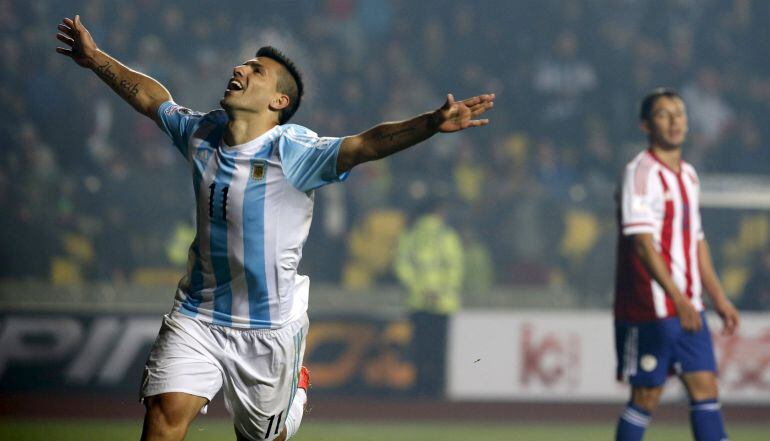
644 126
279 102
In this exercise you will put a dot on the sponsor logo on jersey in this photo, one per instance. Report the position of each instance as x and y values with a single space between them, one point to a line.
258 170
325 143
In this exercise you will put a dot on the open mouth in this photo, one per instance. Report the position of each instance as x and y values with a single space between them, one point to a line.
234 86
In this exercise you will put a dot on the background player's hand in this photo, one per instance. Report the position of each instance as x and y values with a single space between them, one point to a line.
458 115
689 317
82 48
729 315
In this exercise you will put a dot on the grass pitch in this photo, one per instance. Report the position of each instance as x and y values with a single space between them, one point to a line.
218 430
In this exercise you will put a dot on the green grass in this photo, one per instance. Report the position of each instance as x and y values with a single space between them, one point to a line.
219 430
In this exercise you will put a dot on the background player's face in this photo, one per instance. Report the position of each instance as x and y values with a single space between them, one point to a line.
667 126
253 87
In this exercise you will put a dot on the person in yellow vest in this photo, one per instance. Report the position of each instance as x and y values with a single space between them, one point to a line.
429 263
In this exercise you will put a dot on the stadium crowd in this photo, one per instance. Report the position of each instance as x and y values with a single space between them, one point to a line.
93 191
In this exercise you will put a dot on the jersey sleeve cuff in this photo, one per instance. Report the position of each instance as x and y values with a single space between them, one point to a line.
341 177
638 228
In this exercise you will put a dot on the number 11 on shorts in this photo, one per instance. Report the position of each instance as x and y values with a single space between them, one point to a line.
277 422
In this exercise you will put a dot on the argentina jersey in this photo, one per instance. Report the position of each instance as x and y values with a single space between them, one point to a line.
254 208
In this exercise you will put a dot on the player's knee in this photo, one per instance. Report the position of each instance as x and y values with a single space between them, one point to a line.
701 385
166 419
646 397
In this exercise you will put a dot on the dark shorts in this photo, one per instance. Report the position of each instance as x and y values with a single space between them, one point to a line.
647 353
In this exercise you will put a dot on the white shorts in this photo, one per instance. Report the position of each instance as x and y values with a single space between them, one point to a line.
259 369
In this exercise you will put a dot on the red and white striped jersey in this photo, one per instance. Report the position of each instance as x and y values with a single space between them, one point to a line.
656 200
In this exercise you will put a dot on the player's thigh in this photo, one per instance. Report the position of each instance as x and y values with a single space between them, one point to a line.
694 351
644 352
183 359
168 415
261 375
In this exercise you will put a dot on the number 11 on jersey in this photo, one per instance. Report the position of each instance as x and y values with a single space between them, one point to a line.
212 190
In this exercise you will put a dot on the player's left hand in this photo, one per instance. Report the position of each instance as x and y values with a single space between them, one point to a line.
730 317
458 115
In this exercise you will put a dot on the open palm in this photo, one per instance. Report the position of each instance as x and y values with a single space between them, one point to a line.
459 115
81 45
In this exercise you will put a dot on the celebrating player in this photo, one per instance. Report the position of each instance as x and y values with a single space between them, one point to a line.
663 266
239 317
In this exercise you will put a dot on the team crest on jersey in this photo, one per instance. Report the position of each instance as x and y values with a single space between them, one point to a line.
258 170
203 155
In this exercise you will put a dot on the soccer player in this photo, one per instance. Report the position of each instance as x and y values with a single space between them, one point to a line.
663 267
239 317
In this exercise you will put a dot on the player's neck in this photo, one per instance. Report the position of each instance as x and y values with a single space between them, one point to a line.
671 157
242 130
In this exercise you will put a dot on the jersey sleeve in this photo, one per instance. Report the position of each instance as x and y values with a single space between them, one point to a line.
638 202
308 161
179 124
701 235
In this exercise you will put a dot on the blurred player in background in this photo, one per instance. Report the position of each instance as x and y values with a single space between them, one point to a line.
429 263
239 318
663 267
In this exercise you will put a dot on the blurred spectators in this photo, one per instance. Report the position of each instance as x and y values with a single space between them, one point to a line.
77 162
756 293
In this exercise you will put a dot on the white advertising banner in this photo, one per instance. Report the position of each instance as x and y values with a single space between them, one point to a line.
570 356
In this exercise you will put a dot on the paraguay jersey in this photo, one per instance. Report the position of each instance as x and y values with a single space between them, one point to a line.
656 200
254 208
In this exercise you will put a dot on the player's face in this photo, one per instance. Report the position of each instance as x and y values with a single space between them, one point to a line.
253 87
667 126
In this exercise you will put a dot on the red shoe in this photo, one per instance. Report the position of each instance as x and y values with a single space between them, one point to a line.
304 379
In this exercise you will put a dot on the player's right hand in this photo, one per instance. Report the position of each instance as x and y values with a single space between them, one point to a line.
689 317
82 48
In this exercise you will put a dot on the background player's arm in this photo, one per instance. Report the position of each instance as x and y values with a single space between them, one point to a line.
719 300
142 92
656 267
388 138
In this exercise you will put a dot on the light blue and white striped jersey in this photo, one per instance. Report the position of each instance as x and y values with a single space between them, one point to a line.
254 208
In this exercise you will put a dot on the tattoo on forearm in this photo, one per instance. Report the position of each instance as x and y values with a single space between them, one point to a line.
105 72
392 135
124 87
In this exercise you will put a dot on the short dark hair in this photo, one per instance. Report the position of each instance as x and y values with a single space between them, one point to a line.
290 85
645 109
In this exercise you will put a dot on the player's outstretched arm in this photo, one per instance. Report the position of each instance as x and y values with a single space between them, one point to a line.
722 305
656 267
388 138
142 92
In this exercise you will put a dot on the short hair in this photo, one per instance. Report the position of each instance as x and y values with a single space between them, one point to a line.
645 109
290 85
